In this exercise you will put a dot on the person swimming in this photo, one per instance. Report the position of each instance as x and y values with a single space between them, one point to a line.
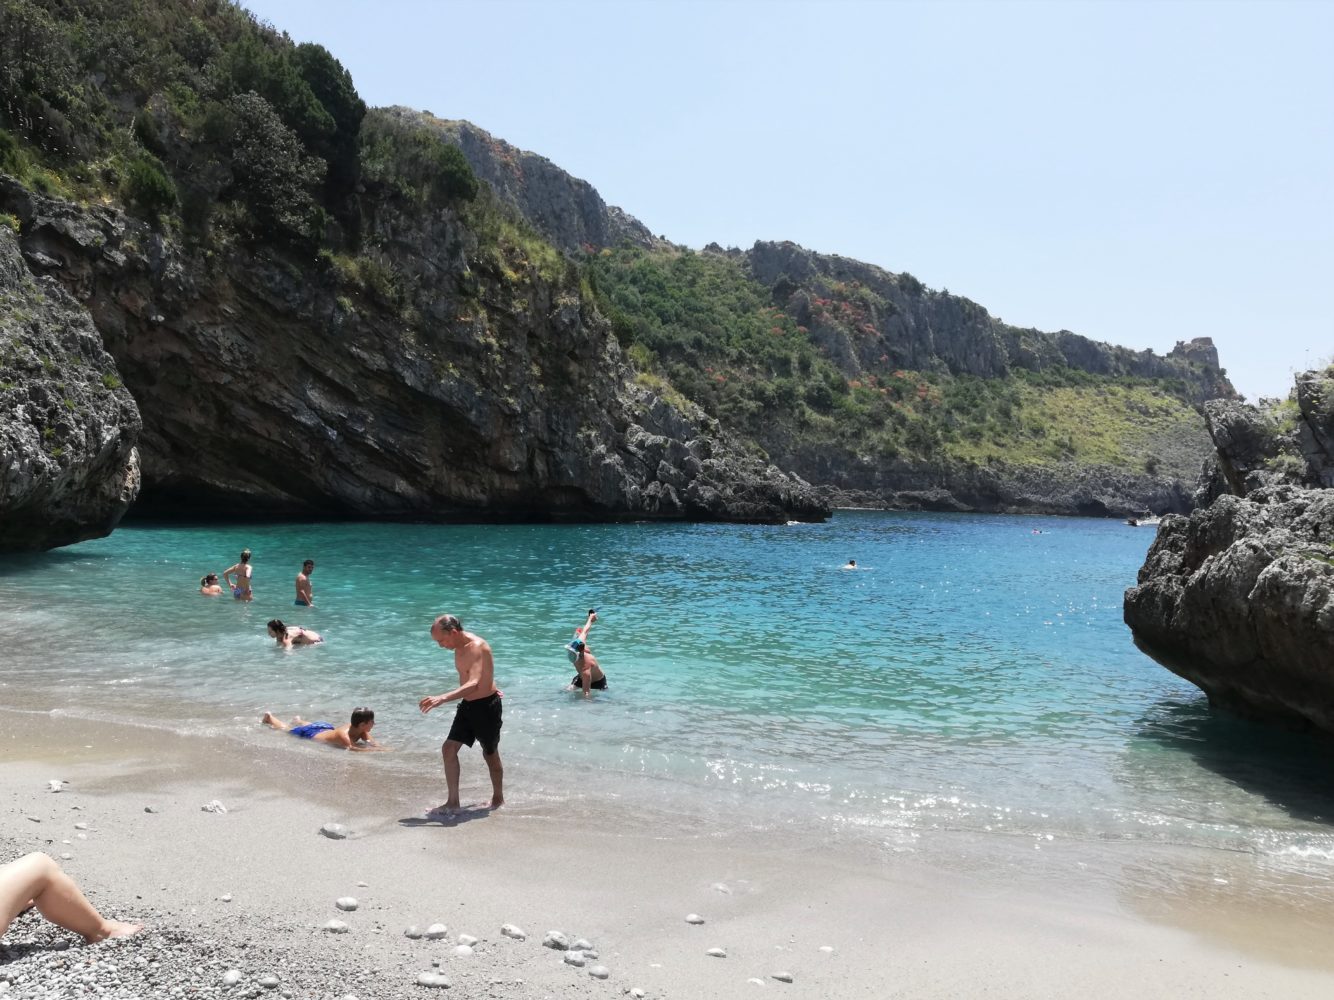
288 636
850 564
352 735
209 586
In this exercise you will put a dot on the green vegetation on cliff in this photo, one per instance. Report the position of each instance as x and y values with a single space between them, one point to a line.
702 323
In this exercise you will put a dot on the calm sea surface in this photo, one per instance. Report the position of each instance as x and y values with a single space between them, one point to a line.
970 676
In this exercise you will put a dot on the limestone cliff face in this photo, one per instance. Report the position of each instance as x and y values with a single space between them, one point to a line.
566 210
1238 598
485 391
68 464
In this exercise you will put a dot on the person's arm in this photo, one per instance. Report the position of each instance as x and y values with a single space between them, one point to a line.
583 632
227 576
585 674
471 684
285 640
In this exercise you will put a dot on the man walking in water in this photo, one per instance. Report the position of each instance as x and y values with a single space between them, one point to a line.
304 596
478 717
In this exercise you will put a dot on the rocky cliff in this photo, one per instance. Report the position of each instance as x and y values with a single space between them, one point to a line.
486 389
68 464
1238 598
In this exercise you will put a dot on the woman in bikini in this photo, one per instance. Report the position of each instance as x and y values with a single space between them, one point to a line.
209 586
288 636
241 585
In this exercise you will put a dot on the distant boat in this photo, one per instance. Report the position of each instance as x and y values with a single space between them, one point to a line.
1148 521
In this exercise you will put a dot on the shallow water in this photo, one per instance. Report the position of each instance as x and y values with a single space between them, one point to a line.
971 677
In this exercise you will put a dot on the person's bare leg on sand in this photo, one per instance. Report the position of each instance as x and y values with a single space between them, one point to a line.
37 880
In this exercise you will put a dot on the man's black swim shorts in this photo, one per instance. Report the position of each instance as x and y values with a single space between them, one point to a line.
478 720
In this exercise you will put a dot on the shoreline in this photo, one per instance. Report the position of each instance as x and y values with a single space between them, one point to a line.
892 921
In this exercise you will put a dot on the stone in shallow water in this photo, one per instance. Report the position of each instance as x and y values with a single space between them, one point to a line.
557 940
599 972
348 903
436 931
716 953
694 918
334 831
510 931
336 927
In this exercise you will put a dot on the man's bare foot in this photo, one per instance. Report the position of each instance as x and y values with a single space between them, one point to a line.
113 929
448 807
497 801
268 719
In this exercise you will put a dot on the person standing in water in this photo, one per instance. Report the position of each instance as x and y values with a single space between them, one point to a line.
241 585
478 717
304 597
590 676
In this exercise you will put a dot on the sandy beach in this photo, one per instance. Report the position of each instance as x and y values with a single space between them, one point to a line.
250 891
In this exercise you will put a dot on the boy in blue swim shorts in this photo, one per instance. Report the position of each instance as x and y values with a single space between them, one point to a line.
352 735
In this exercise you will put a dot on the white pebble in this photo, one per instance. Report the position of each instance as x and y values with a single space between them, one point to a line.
467 939
638 994
694 918
827 949
557 940
463 950
575 958
510 931
231 977
722 887
217 807
756 981
269 982
413 932
336 927
81 836
436 931
66 856
348 903
226 897
363 885
783 977
599 972
334 831
716 953
582 944
590 954
55 784
433 979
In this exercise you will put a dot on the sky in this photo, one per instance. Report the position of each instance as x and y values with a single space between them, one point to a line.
1136 173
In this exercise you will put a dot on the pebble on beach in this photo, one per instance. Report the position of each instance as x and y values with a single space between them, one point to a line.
269 982
413 932
827 949
436 931
467 939
334 831
336 927
722 887
637 993
557 940
433 979
575 958
582 944
150 809
231 977
56 785
510 931
348 903
694 918
226 897
463 950
599 972
716 953
783 977
215 807
80 826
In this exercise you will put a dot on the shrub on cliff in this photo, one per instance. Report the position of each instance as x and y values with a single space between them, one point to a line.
148 186
414 162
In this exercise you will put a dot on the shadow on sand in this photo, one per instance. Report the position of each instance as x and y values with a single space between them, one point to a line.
1294 771
438 817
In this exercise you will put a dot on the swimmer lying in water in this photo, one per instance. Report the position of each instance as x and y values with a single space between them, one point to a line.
288 636
353 735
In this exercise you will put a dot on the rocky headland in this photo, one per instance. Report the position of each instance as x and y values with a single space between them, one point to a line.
1238 598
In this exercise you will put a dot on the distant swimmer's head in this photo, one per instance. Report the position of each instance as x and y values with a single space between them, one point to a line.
577 645
245 555
277 629
210 580
363 716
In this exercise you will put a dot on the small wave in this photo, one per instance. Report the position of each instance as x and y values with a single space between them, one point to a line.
1306 852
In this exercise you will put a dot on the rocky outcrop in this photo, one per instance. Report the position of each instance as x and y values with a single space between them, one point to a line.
1239 597
566 210
469 383
68 464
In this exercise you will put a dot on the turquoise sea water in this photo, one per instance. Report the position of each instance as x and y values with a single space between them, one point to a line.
970 676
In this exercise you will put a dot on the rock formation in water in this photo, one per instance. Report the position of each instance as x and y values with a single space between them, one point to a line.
1238 598
68 464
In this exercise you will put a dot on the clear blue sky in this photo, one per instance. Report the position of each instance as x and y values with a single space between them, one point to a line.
1137 173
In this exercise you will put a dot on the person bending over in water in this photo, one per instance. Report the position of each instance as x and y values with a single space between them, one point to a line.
36 880
590 676
288 636
354 735
209 586
304 597
241 585
478 717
